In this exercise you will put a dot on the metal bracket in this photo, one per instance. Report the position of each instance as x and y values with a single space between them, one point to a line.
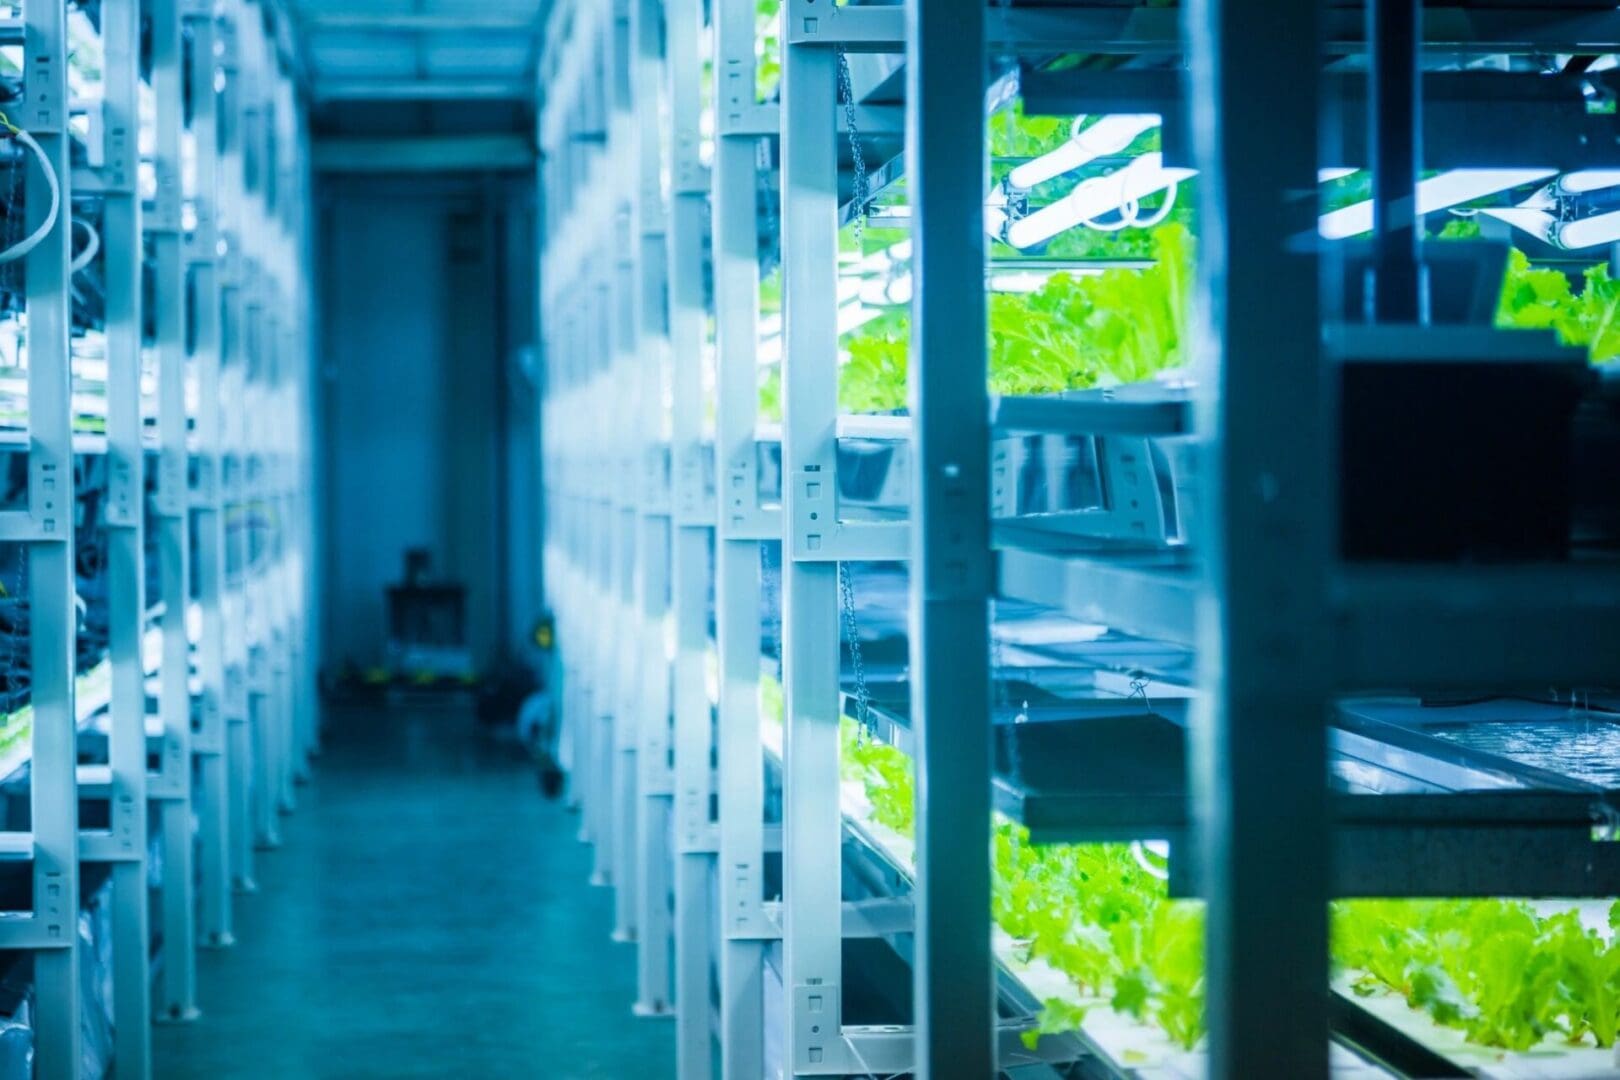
695 833
21 527
164 217
744 518
106 847
47 502
44 95
207 747
694 502
765 120
124 504
31 932
174 489
816 1009
120 154
818 536
205 494
861 29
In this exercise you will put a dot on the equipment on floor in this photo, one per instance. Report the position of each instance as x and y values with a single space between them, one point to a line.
427 625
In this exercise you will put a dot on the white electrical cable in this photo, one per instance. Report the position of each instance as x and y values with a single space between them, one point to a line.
92 246
33 239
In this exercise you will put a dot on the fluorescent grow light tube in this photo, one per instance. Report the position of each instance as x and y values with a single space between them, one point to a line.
1594 231
1590 231
1448 189
1145 176
1584 180
1109 135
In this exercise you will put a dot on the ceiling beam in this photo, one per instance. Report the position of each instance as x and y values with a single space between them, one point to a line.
327 89
423 153
472 22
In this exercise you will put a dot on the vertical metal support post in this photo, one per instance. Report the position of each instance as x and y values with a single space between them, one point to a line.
173 787
812 821
645 509
278 457
234 492
741 774
53 792
260 303
621 459
625 647
214 897
950 539
126 532
654 863
608 552
1395 154
694 522
1259 729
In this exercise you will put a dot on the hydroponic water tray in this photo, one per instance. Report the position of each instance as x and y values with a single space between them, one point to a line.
1106 1043
1416 815
1147 409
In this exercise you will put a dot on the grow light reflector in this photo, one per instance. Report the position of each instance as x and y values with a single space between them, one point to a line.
1109 135
1536 222
1447 189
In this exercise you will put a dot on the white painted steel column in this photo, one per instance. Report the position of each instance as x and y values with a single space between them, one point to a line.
178 990
812 822
53 792
691 464
121 245
741 776
213 794
234 482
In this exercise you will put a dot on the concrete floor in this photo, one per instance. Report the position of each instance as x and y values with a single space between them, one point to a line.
427 916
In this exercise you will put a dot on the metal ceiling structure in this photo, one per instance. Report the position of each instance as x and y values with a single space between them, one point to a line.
417 50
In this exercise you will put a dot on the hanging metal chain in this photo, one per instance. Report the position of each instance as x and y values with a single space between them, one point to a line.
863 696
861 193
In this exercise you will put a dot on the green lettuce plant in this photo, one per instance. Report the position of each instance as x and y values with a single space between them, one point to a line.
1499 971
1534 298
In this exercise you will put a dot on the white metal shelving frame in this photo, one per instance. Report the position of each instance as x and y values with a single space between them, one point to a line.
628 340
745 924
1280 624
172 785
191 476
126 540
